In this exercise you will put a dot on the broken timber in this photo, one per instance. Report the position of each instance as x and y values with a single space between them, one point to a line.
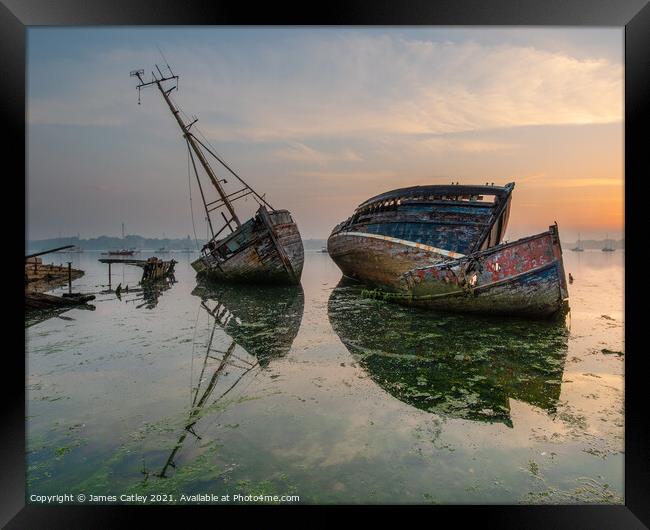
35 301
153 268
42 277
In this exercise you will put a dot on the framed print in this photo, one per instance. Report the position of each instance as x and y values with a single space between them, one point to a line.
374 257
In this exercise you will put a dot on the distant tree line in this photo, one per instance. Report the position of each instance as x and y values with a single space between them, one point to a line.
136 242
595 244
109 243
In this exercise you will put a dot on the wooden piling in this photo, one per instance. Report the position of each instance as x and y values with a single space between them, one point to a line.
70 277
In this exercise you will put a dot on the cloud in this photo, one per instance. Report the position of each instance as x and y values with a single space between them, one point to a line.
351 84
299 152
578 183
327 117
445 144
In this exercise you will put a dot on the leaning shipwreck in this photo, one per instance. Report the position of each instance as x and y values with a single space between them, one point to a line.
440 247
266 248
394 232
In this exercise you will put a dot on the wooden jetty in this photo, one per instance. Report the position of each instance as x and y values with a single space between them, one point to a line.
265 249
406 228
41 276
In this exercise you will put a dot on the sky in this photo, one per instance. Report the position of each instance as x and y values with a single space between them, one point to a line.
318 119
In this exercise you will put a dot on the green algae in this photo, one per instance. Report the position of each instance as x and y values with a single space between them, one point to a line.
468 367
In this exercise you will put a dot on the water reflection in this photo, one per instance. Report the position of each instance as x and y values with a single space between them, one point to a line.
147 296
455 365
263 322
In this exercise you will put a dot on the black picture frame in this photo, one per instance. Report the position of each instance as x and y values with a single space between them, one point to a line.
633 15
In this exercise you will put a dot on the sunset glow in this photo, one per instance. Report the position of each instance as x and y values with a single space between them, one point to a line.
320 119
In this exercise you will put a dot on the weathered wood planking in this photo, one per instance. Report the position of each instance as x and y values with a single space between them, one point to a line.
525 277
42 277
402 229
264 250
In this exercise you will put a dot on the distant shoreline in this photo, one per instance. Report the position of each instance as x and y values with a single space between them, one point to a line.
133 242
144 244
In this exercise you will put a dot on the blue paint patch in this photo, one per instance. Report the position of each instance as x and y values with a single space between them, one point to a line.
448 237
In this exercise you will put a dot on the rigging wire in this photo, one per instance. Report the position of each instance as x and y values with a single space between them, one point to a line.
189 185
213 151
196 323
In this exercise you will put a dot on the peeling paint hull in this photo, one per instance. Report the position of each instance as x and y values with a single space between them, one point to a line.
522 278
394 232
378 262
266 249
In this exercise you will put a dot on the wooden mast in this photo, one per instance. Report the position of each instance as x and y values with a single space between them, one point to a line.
188 136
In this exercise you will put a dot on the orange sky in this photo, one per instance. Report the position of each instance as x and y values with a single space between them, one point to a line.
320 119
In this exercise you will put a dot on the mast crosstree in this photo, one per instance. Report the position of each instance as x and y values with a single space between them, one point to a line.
166 84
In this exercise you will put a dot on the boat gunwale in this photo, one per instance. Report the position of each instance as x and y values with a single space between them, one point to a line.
449 189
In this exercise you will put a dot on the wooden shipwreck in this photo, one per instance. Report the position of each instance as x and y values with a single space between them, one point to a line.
525 278
153 268
266 248
440 247
394 232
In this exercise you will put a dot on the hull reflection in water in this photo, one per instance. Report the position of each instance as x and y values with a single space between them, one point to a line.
452 364
259 325
262 321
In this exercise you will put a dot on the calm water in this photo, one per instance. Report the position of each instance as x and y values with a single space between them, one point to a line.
318 392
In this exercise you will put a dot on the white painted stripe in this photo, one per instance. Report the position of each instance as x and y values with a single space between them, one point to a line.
422 246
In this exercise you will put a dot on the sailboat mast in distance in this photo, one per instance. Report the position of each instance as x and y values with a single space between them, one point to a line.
578 247
267 247
608 247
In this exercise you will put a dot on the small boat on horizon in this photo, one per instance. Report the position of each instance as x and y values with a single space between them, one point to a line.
578 247
608 247
120 252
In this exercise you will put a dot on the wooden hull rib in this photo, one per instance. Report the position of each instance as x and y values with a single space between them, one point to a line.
266 249
523 278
